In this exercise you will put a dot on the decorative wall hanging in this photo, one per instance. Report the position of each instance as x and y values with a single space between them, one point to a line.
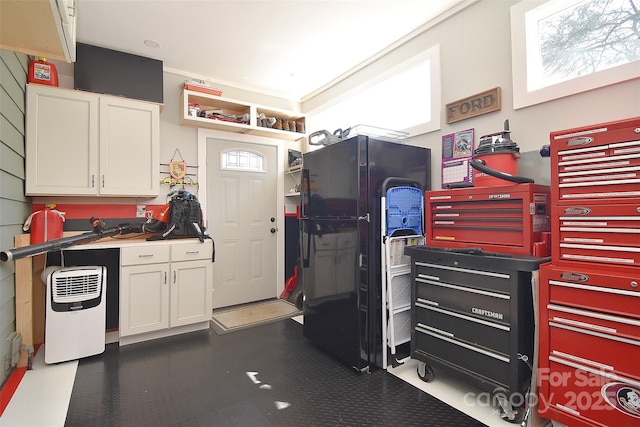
475 105
178 172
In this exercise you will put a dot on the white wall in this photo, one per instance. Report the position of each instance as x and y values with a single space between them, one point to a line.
475 49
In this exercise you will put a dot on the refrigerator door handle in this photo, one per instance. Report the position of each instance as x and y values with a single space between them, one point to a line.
305 249
364 218
304 194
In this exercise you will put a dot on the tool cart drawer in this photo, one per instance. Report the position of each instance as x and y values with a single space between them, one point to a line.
489 366
602 233
468 300
446 271
595 339
615 291
596 162
472 330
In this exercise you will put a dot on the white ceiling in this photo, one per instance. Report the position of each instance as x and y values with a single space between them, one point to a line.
284 48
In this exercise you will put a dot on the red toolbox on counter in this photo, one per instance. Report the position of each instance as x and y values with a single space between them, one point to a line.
511 219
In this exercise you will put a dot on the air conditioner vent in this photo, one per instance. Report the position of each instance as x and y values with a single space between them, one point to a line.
76 285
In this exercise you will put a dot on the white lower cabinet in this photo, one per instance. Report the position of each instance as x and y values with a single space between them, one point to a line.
165 289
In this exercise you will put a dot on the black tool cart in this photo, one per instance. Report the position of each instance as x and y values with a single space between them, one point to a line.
473 317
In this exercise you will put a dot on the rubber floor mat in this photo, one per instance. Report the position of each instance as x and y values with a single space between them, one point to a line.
269 375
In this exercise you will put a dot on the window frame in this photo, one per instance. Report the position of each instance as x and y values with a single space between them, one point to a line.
225 166
522 97
431 54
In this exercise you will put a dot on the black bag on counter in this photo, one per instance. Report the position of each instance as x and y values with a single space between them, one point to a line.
185 218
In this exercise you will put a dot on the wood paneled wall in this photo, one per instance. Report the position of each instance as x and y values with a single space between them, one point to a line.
14 206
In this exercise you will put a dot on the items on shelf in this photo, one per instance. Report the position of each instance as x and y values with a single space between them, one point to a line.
198 85
202 110
279 123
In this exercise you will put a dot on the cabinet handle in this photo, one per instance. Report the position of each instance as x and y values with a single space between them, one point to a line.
165 277
102 181
145 256
193 252
93 181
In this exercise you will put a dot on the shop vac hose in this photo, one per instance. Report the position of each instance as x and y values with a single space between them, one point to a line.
482 167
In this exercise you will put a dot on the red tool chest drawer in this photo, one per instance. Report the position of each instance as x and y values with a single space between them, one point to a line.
583 396
608 234
595 339
596 162
615 291
508 219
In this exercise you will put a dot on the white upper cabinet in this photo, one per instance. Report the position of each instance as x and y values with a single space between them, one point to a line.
129 147
84 144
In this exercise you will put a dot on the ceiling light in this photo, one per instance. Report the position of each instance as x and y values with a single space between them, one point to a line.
152 43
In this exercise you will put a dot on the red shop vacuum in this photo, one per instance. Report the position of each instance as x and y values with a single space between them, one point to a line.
496 160
503 212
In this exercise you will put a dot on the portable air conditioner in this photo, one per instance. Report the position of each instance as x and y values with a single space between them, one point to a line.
76 313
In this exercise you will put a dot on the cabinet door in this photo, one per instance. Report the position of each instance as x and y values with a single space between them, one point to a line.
144 298
62 142
129 148
191 283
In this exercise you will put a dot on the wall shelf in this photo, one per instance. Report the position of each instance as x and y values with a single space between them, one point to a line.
232 107
294 173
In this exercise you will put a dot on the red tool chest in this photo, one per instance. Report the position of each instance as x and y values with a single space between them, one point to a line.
509 219
595 163
589 311
589 345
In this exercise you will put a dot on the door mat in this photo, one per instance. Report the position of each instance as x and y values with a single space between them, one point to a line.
227 320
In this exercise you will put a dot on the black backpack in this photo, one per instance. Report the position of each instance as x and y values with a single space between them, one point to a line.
185 218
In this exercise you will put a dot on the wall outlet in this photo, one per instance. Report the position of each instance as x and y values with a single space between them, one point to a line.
141 211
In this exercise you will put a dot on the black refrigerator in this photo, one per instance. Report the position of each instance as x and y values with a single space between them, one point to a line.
340 241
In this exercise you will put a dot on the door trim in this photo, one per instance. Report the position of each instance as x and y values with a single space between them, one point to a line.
203 136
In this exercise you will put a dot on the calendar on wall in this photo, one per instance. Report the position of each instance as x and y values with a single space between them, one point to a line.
457 150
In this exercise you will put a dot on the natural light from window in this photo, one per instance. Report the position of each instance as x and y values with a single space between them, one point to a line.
564 47
401 99
242 160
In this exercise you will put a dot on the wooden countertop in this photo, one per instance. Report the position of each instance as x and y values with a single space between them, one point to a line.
126 240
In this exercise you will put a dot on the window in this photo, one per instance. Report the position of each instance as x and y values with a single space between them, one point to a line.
563 47
405 98
242 160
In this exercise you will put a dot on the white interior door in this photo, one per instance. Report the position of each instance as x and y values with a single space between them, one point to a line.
241 209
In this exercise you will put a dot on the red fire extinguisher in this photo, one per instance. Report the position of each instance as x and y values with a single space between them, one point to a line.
45 224
42 72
